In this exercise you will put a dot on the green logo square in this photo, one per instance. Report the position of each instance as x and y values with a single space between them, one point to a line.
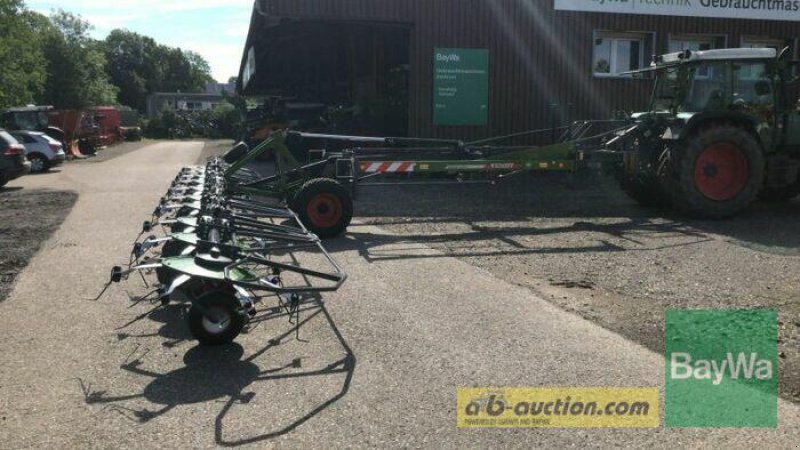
721 368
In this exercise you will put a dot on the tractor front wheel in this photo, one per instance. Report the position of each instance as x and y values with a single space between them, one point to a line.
719 174
216 318
779 195
646 192
324 206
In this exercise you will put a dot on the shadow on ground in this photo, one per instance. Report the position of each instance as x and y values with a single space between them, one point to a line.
225 375
584 197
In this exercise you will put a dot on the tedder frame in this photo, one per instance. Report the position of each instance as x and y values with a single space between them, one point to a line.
362 160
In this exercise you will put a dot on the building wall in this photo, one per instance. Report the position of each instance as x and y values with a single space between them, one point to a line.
538 56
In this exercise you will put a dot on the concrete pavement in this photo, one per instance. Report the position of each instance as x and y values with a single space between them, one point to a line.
378 366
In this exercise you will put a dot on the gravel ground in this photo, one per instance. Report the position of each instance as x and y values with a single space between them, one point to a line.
29 216
580 243
27 219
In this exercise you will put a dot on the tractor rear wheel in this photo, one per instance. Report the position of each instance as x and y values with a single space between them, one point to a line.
324 206
216 318
719 173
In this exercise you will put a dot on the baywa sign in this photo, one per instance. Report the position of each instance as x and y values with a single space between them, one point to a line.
730 9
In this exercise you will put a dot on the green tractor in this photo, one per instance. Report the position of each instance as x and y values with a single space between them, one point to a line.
723 130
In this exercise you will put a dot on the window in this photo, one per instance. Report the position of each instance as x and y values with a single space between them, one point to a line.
23 138
751 85
763 42
695 42
615 53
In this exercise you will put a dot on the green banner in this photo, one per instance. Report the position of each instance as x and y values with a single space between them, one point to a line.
460 86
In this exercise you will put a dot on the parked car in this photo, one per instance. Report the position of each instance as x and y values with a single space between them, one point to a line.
42 151
13 163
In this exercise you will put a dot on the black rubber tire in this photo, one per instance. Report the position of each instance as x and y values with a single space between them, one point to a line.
780 195
44 161
178 228
166 276
173 248
239 151
333 191
647 192
218 302
649 189
681 183
87 148
184 211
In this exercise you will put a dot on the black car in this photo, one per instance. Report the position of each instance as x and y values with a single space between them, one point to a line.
13 163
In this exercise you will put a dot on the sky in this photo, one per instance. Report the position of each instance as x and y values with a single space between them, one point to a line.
216 29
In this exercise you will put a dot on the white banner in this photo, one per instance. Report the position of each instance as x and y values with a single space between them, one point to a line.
730 9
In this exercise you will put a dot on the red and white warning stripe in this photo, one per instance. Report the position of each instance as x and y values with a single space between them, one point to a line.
388 167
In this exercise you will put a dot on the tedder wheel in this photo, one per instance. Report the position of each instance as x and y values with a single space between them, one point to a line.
719 174
170 250
324 206
184 211
216 318
173 248
39 163
178 228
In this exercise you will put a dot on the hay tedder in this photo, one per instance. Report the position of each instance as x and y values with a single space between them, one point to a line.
723 129
223 253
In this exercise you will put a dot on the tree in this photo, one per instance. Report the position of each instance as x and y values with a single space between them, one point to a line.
133 67
77 75
139 66
22 66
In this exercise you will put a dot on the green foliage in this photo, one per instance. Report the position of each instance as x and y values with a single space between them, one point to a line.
22 69
229 121
54 61
77 75
225 121
140 66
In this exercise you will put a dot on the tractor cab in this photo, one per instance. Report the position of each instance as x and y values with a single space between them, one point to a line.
722 129
715 80
31 118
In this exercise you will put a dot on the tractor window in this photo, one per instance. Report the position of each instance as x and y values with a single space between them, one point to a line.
27 121
708 88
752 85
667 91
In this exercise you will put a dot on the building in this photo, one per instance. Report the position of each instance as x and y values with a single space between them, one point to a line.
213 97
476 68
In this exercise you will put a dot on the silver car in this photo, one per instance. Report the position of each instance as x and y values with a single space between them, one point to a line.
42 151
